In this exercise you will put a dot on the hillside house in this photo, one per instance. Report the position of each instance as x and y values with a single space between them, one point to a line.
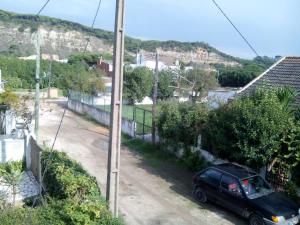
106 66
284 73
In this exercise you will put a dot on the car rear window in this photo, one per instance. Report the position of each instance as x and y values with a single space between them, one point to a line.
212 176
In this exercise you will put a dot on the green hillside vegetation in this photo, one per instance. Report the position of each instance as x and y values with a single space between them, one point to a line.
131 44
21 74
240 76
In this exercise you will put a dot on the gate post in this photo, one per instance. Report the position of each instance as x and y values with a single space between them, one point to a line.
144 113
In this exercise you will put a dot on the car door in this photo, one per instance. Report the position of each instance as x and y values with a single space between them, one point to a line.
231 195
209 181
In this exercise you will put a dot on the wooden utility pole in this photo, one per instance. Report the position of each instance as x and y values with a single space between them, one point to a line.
113 166
154 99
37 88
49 79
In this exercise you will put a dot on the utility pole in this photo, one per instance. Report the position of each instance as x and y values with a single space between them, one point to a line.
113 165
49 78
154 99
37 88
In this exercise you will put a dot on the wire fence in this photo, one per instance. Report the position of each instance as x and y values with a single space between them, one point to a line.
278 178
141 114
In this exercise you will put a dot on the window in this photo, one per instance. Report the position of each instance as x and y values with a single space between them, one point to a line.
211 176
230 184
255 187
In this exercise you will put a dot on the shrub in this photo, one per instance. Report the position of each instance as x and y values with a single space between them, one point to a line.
193 160
36 216
11 166
290 189
93 212
74 196
296 174
66 179
258 129
182 122
169 120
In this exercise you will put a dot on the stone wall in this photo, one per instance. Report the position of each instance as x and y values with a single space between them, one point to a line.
101 116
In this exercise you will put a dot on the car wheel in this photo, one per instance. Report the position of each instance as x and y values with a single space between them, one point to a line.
256 220
200 195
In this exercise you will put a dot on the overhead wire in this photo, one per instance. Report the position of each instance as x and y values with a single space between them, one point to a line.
43 7
64 112
235 27
93 24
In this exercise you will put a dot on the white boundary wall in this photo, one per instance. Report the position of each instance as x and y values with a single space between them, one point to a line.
11 149
101 116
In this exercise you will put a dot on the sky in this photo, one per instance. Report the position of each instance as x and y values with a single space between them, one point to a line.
271 26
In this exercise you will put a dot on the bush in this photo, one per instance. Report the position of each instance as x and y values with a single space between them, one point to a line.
182 122
193 160
92 212
79 200
290 189
18 166
36 216
296 174
66 179
67 212
256 130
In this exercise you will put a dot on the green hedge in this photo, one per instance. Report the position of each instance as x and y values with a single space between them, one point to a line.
74 197
182 122
66 179
67 212
34 216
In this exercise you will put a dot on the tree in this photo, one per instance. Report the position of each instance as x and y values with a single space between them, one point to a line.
201 82
164 89
256 130
182 122
137 84
88 58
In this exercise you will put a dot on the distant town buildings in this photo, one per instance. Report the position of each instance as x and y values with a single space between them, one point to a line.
106 66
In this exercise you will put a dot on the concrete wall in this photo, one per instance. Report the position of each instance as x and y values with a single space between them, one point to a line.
35 159
101 116
11 149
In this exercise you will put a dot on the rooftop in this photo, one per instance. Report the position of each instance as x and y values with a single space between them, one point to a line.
284 73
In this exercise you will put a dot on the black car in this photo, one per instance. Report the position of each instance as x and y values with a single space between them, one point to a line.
244 192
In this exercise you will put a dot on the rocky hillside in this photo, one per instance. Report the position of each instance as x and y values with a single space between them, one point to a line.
63 38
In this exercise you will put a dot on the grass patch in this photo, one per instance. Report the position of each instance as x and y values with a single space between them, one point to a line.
128 113
158 156
155 155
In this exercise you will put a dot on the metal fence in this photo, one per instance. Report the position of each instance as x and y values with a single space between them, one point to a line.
81 97
278 178
143 120
141 115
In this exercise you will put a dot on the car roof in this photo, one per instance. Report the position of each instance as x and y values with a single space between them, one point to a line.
238 171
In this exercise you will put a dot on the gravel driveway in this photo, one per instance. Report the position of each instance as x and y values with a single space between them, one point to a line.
150 194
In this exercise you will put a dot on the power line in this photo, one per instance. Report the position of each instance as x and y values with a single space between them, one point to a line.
235 27
93 24
64 113
46 3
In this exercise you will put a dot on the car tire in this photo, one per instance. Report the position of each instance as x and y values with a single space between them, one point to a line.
199 195
256 220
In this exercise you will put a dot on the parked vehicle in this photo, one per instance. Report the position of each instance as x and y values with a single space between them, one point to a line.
246 193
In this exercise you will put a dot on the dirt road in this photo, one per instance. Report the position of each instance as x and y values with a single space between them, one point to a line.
149 194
